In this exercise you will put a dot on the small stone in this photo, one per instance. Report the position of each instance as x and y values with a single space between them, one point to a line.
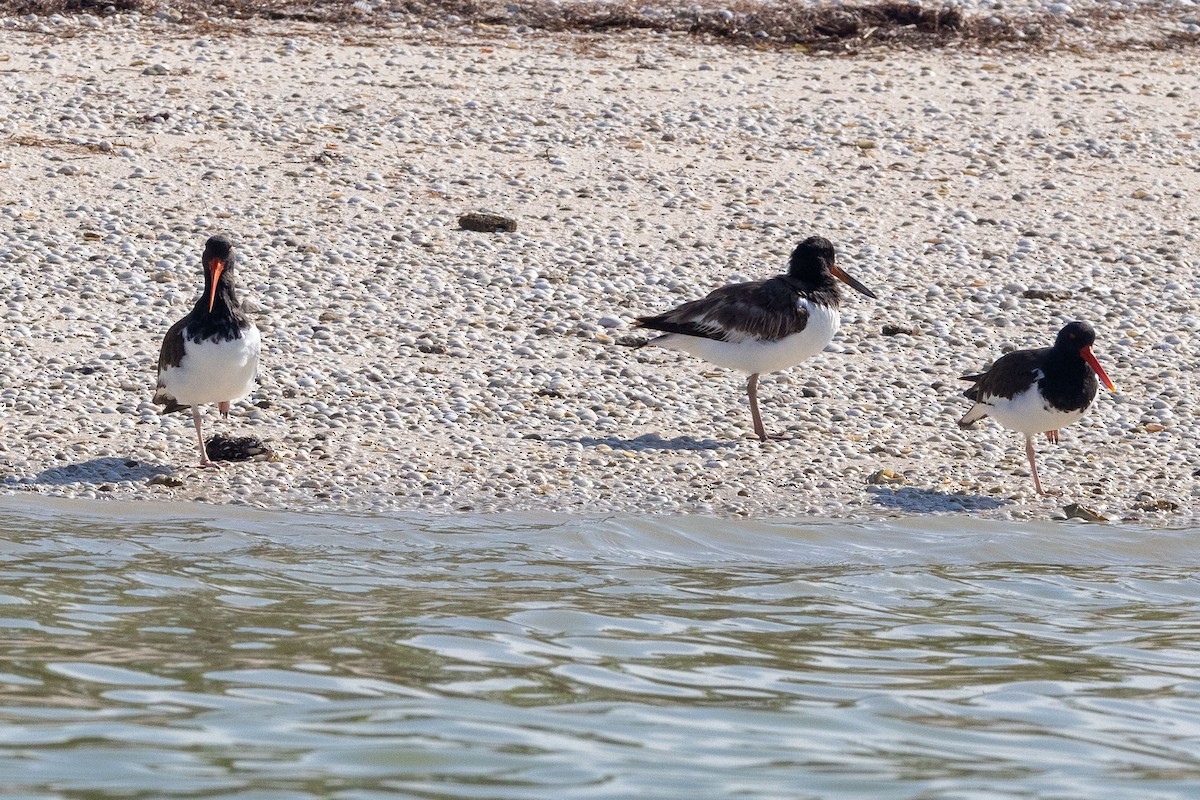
1046 294
897 330
1150 504
1077 511
885 477
169 481
486 223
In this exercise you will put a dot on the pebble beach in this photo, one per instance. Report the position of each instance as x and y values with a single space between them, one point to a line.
986 196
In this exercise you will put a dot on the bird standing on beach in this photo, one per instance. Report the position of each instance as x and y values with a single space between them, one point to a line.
762 326
211 355
1045 389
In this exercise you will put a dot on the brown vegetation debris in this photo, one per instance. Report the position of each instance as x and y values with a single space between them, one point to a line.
839 28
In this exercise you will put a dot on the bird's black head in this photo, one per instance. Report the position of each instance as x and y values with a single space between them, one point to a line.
1075 336
218 263
1078 338
814 261
218 247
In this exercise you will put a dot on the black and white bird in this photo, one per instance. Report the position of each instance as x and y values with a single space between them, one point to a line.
762 326
1041 390
211 355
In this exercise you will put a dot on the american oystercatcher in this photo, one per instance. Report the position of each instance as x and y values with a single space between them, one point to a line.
1045 389
211 355
762 326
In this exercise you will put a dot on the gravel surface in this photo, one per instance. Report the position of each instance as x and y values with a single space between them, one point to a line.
410 364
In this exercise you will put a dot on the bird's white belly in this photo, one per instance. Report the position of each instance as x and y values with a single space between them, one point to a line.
1028 413
752 355
214 372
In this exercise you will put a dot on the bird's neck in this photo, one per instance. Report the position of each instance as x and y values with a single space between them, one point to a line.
1066 360
224 322
824 292
1068 381
225 302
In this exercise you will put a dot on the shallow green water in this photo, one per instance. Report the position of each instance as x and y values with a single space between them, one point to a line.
156 652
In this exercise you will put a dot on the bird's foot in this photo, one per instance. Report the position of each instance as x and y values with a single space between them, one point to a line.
223 407
1052 437
209 465
760 433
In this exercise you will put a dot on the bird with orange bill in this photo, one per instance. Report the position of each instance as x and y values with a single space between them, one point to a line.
1039 390
211 355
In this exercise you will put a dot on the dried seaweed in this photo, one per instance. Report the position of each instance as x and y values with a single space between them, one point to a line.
833 27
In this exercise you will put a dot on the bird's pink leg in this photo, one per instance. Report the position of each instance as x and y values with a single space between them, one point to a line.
1037 484
204 462
223 407
752 390
759 430
1052 436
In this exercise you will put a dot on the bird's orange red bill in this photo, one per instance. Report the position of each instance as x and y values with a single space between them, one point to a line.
217 266
1086 352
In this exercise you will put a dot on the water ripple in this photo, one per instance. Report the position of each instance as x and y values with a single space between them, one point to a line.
161 654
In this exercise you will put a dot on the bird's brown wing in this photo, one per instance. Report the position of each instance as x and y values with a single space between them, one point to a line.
764 310
170 355
1009 376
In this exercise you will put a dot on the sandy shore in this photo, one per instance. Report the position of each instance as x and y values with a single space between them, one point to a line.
408 364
